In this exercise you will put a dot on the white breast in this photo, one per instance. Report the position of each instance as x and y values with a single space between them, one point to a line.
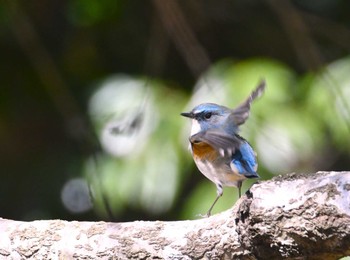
219 175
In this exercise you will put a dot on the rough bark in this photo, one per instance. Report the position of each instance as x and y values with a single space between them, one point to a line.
294 216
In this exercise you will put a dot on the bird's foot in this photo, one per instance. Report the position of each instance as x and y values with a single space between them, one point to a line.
207 215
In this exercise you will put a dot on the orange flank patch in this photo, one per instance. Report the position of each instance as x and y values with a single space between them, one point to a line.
203 151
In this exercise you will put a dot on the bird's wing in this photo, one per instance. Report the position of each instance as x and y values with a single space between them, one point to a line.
244 160
224 143
241 113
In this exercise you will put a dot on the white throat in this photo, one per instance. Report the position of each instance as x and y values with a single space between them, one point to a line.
195 127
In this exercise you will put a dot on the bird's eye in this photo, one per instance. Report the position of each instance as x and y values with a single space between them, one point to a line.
207 115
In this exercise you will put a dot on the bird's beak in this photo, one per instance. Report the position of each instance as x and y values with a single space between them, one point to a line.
190 115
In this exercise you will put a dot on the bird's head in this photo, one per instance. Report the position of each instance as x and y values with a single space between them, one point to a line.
207 116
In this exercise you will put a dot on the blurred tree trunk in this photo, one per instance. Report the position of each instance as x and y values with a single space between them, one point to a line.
304 216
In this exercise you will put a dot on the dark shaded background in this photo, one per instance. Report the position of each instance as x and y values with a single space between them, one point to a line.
55 53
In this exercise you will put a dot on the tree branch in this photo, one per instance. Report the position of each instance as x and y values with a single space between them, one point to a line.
294 216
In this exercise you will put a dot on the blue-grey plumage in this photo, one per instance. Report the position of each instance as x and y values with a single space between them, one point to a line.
223 156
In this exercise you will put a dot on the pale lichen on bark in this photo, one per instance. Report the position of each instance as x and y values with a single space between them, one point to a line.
294 216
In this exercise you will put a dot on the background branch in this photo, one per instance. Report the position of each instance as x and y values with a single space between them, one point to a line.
182 35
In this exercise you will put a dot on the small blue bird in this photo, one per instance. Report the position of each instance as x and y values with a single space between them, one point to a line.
223 156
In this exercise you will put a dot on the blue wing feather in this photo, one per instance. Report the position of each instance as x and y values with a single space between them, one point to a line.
244 160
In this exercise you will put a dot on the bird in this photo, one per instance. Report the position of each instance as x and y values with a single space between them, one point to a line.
219 152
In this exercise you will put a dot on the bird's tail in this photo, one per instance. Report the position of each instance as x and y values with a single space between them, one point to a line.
259 90
241 113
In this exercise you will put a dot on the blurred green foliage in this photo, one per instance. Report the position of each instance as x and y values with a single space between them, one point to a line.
91 94
88 13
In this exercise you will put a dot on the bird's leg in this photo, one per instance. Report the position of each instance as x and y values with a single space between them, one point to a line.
219 192
239 186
